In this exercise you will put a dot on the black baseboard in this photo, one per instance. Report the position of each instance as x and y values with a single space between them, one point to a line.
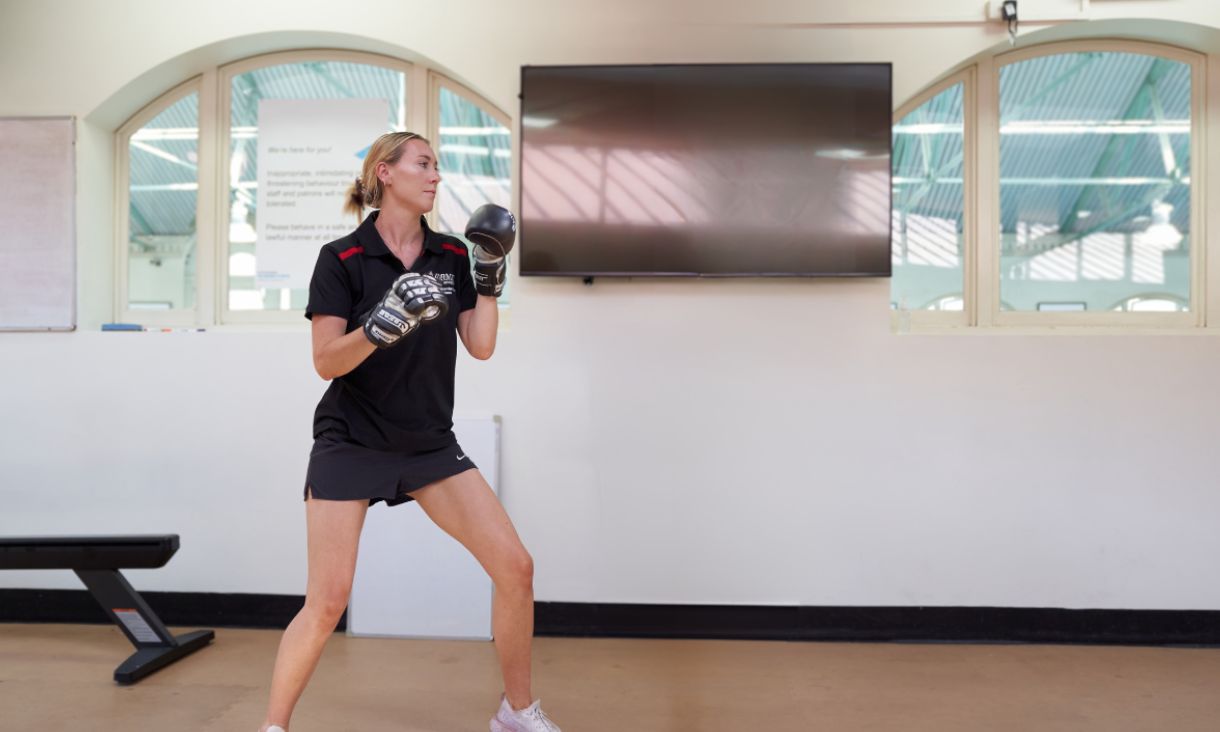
889 624
210 609
735 622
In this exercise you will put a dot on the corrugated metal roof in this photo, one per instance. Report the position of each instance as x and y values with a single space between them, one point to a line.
1080 147
475 158
932 154
1076 92
163 158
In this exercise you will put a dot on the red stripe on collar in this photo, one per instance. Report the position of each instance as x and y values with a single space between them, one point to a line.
454 248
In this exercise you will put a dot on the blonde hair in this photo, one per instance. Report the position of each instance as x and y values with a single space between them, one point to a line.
368 190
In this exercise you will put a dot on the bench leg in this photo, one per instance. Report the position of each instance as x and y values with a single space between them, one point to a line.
155 646
146 660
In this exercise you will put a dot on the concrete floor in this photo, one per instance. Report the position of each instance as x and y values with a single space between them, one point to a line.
58 677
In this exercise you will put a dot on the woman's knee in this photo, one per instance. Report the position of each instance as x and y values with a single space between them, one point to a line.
517 570
326 608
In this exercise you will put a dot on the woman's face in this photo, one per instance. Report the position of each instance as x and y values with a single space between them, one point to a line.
412 181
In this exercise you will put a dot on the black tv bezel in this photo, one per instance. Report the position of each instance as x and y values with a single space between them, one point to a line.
589 275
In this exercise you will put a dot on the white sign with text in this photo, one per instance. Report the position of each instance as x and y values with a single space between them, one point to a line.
310 151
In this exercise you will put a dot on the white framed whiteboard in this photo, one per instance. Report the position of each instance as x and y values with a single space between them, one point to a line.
37 223
414 580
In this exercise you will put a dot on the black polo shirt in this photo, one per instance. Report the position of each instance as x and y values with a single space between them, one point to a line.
399 399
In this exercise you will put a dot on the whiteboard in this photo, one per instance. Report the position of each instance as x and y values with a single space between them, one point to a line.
37 223
414 580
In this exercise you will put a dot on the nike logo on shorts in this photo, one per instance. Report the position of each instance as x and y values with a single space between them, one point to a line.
461 457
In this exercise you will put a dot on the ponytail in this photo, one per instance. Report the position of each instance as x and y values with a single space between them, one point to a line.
354 203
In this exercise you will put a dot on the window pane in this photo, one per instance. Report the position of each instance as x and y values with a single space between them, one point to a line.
476 159
927 213
1152 304
1095 181
164 185
311 80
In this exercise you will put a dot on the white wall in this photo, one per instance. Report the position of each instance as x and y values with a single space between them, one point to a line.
744 442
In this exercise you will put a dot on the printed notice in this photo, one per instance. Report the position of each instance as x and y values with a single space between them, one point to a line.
309 153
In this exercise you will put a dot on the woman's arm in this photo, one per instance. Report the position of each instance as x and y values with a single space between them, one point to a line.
335 354
477 327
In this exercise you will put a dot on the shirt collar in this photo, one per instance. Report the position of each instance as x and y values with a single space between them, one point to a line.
369 238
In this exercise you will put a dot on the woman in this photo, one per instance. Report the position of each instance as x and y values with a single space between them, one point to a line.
388 303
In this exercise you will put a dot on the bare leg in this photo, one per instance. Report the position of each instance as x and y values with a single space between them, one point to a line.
465 507
333 536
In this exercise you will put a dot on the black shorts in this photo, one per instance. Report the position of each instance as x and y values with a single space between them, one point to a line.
345 471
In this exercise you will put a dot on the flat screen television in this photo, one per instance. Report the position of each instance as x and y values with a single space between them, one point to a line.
706 170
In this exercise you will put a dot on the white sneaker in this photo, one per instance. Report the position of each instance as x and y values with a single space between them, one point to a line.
530 719
275 728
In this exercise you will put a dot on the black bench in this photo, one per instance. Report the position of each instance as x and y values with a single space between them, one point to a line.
97 561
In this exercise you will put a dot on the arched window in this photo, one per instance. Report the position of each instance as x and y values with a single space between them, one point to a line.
1048 183
475 147
1095 154
237 178
929 213
295 126
159 210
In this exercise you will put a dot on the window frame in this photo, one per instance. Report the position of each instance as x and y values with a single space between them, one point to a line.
989 312
949 319
122 219
223 134
981 182
421 92
437 82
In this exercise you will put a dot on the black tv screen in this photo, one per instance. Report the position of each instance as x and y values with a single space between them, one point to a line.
706 170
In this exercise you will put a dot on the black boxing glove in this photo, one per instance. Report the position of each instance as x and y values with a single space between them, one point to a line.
388 321
493 230
413 299
421 296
